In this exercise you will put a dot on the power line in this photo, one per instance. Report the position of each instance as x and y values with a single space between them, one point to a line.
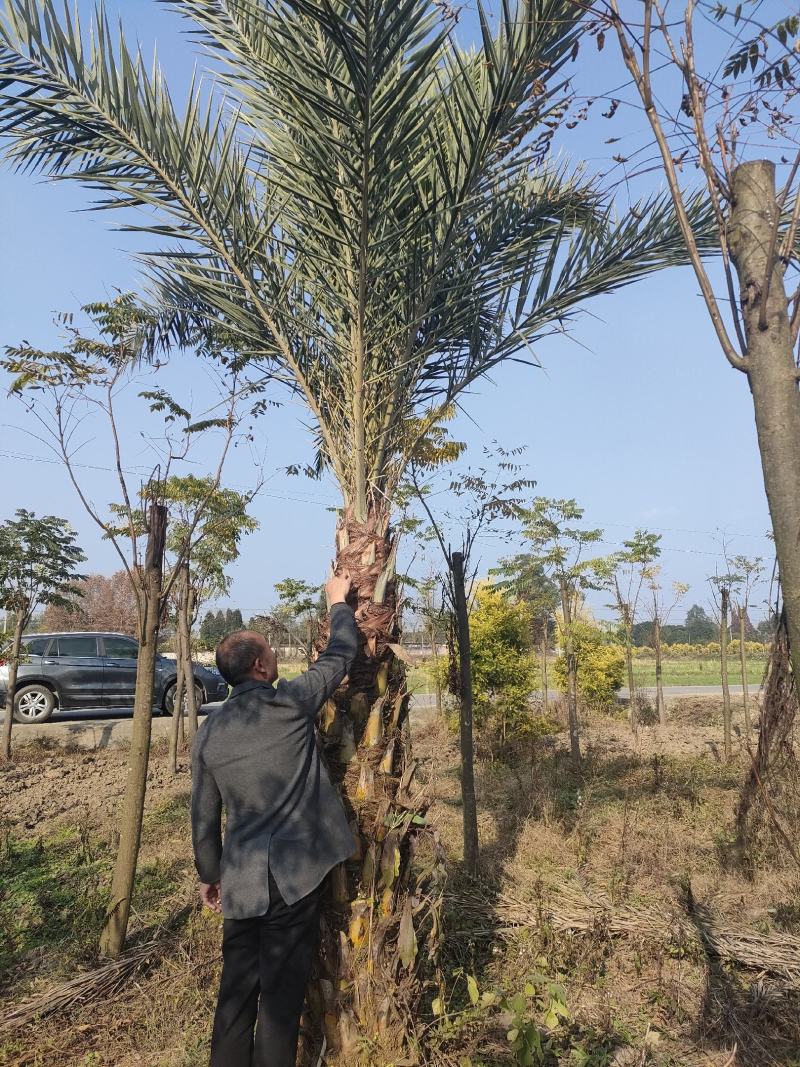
140 470
295 498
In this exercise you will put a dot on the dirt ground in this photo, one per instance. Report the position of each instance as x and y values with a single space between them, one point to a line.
646 827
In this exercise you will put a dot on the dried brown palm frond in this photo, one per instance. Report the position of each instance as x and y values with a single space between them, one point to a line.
569 908
768 814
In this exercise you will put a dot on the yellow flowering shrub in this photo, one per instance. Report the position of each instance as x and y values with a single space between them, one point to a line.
601 666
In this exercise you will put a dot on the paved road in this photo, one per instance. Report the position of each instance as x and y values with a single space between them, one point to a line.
112 727
692 690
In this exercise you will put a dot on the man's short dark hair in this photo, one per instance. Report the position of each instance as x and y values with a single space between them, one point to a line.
236 655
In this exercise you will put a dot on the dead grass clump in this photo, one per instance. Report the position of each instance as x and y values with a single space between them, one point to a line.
632 830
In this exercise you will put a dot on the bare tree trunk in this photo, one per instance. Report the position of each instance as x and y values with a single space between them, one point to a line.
437 681
743 663
13 665
771 371
184 617
112 938
543 658
661 705
723 659
469 804
572 679
632 708
177 705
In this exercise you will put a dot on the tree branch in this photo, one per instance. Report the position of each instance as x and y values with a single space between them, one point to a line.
641 78
773 241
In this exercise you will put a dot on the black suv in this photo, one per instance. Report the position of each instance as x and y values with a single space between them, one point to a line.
84 671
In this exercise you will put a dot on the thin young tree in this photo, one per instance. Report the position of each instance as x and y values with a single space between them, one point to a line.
59 390
370 207
630 577
206 522
430 608
662 610
479 498
525 579
749 85
750 570
558 546
300 601
38 561
723 588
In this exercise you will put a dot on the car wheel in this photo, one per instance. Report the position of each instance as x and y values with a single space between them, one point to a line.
169 697
33 703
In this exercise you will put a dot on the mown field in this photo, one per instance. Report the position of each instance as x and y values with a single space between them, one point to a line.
696 671
678 671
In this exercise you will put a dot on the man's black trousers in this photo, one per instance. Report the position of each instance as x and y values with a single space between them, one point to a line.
266 963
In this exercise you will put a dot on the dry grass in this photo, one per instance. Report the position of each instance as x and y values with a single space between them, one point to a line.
644 830
624 882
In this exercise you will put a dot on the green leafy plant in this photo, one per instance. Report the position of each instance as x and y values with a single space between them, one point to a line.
600 666
503 668
530 1018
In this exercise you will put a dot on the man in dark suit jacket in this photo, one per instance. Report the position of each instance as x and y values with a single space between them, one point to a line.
256 756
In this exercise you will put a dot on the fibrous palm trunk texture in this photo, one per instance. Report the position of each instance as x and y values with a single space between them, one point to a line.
380 928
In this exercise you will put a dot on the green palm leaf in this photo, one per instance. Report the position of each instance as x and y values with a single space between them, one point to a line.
359 200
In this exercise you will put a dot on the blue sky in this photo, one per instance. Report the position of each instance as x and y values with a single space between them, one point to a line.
636 415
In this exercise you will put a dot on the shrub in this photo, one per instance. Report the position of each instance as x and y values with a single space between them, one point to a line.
756 649
601 666
504 670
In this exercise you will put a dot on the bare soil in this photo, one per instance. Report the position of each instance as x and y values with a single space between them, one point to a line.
647 822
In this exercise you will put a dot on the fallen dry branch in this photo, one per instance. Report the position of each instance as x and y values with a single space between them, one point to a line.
569 908
102 983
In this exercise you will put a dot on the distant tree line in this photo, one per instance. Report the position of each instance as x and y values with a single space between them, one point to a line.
219 624
104 603
699 629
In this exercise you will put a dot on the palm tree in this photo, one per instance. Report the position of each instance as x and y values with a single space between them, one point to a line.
369 207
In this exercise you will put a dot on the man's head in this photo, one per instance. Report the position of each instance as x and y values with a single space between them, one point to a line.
246 657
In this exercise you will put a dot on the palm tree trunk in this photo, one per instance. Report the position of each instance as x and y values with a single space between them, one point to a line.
112 938
13 666
771 371
723 659
371 929
743 664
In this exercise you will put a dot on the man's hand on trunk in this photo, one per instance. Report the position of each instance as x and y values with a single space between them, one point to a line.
337 588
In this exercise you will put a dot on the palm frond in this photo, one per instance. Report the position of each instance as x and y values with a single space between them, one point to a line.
357 200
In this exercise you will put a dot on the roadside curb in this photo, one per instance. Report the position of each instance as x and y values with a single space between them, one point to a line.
91 734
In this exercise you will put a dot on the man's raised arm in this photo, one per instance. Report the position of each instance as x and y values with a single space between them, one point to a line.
326 673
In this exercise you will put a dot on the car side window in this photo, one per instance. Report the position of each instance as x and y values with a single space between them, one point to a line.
36 646
76 647
120 648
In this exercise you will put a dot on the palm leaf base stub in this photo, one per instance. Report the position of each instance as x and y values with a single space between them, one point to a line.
380 926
